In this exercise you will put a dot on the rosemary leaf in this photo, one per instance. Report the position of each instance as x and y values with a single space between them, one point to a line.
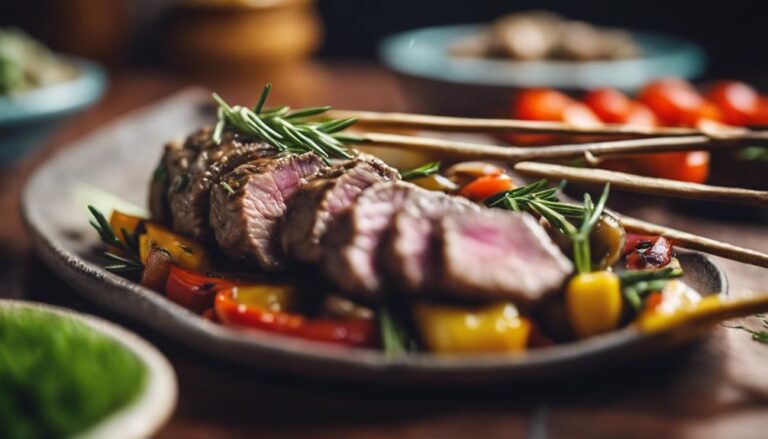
421 171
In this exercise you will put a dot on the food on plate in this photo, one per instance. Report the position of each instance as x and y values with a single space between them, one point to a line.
25 64
308 238
539 35
58 377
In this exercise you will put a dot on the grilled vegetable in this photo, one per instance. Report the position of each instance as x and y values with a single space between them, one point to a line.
456 329
594 303
486 186
233 311
185 252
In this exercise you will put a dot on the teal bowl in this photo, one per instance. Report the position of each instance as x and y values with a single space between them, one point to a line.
27 119
437 82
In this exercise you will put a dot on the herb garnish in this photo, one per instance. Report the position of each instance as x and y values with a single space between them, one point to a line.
227 188
760 335
538 199
129 245
637 284
421 171
286 130
394 335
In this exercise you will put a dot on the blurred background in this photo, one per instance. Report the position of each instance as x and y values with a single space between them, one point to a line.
450 57
126 32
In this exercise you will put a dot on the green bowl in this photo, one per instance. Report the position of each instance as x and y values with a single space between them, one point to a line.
439 83
28 118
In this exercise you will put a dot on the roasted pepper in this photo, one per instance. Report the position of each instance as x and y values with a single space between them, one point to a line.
483 187
232 311
194 291
593 302
185 252
122 221
456 329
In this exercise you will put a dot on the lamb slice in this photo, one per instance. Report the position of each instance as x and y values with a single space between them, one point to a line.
195 167
412 258
316 205
246 221
495 254
351 244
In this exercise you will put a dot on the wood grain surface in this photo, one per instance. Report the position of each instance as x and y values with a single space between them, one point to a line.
715 389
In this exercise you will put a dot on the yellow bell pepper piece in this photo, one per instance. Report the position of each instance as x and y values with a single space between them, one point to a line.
593 302
456 329
122 221
185 252
679 303
270 297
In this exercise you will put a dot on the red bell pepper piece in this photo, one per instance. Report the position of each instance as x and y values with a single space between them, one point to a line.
192 290
231 312
658 255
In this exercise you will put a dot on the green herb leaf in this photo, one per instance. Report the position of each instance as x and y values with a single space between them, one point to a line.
286 130
394 336
637 284
421 171
227 187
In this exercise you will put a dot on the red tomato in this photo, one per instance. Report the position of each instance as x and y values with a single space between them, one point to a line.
485 186
541 104
684 166
610 105
579 115
760 116
346 332
736 100
674 101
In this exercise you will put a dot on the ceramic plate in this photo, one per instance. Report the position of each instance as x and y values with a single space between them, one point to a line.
120 158
154 405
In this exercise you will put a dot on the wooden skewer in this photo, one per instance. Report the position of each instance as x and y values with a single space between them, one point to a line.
463 124
695 242
466 124
636 183
516 154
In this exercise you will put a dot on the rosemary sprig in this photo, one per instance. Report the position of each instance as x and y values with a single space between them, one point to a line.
394 336
537 198
286 130
637 284
129 244
421 171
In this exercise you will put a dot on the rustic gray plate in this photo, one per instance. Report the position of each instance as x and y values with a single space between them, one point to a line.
120 158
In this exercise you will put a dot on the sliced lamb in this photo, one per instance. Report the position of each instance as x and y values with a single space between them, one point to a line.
191 170
411 252
318 203
246 221
495 254
351 245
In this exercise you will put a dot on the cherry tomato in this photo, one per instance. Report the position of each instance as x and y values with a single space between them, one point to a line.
736 100
579 115
541 104
232 312
683 166
483 187
760 116
609 104
674 101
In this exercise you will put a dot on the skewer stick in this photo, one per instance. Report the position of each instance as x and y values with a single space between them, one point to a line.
478 125
655 186
373 119
516 154
695 242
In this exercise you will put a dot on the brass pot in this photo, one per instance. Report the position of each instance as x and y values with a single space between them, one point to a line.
239 34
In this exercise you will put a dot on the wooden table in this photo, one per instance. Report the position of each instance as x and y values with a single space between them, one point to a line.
716 389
